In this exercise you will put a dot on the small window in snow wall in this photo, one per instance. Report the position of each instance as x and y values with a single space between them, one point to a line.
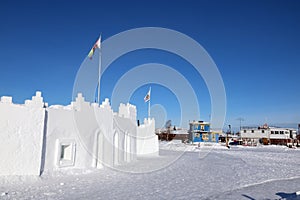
65 153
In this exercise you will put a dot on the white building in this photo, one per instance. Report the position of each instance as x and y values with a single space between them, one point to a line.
282 135
35 138
267 135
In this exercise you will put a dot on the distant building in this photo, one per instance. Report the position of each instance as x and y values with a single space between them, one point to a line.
267 135
282 136
172 134
298 135
254 135
199 131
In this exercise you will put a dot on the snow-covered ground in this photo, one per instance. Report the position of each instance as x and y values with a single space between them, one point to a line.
205 172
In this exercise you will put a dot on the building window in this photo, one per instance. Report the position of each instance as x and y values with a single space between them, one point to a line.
276 132
272 132
245 131
65 153
262 131
252 131
281 132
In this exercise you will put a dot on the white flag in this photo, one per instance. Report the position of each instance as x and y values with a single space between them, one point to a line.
97 45
147 97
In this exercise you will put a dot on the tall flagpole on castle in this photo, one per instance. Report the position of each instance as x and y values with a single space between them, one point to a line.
147 99
149 104
97 45
99 70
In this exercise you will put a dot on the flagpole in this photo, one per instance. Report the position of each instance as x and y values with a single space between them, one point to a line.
149 104
149 109
99 72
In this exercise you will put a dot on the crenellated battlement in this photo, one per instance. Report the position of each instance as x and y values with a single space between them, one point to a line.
36 101
128 111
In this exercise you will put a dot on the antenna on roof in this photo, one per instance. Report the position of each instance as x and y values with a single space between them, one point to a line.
240 119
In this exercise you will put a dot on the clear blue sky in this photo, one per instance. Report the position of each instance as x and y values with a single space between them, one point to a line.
255 44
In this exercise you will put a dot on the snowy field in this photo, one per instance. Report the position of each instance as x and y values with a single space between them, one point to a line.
205 172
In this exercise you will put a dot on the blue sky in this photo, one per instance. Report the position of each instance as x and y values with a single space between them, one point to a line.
255 44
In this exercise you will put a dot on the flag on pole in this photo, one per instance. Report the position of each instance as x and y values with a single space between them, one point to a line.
96 45
147 97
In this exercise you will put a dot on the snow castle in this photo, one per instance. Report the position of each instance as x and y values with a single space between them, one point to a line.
35 138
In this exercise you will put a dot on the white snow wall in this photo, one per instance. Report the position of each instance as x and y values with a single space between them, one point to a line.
98 136
81 135
21 136
147 140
